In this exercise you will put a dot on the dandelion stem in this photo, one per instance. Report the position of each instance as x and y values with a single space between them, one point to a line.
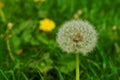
10 53
77 67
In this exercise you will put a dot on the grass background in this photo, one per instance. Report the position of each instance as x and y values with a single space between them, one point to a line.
37 55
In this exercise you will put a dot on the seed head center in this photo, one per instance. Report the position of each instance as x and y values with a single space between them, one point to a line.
77 37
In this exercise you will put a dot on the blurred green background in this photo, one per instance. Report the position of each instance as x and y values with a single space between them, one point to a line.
27 53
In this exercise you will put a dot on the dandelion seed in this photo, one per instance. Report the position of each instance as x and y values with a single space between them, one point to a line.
77 35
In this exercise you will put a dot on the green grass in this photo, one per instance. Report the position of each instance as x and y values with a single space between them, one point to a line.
41 58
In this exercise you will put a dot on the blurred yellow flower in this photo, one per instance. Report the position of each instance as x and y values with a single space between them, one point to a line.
1 4
10 25
39 0
47 25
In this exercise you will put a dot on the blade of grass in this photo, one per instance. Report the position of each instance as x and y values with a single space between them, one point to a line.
4 75
59 73
25 77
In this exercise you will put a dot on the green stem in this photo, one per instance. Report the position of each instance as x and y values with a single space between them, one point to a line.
77 67
10 53
2 15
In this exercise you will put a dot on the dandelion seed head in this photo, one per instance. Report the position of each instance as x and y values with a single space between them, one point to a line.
77 35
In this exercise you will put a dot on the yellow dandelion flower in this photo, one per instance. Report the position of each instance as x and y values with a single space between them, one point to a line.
47 25
1 4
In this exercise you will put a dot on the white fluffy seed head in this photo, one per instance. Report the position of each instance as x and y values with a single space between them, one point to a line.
77 36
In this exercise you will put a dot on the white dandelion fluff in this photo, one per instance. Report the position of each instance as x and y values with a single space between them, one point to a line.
77 35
